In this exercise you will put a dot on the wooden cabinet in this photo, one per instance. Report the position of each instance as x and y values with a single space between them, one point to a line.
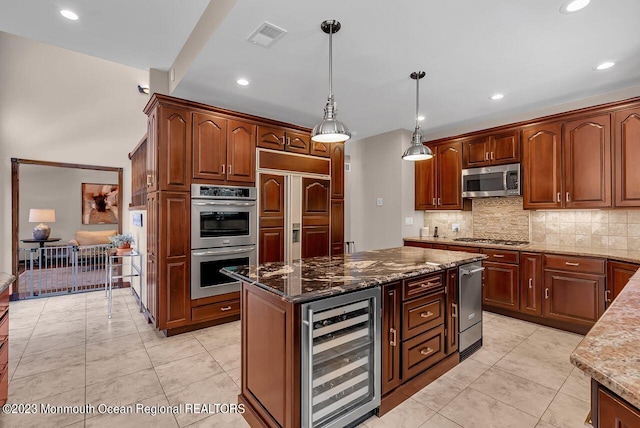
390 336
271 215
496 149
542 166
152 151
452 326
337 227
626 149
500 285
315 217
531 283
151 291
241 145
587 163
276 138
4 346
618 274
337 171
439 179
172 147
209 147
612 411
321 149
271 244
573 298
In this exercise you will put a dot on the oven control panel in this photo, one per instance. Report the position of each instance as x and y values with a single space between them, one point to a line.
222 192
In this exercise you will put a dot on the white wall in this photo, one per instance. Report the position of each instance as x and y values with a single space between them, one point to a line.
59 105
378 171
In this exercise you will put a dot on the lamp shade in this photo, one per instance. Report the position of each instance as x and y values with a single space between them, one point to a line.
37 215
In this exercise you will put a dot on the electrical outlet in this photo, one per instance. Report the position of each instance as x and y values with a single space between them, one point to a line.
455 227
379 202
408 221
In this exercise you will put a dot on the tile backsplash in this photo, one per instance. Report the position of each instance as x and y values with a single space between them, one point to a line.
504 218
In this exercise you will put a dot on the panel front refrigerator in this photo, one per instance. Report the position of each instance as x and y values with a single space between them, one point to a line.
341 368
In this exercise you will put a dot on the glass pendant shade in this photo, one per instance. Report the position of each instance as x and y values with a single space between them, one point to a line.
330 129
417 151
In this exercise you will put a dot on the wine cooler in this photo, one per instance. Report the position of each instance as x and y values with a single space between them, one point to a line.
341 366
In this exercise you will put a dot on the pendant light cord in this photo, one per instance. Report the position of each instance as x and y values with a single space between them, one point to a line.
417 101
331 60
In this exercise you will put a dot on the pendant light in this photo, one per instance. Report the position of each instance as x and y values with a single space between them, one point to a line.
417 151
330 129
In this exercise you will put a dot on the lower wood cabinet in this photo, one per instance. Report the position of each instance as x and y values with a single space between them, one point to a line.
452 326
271 242
612 411
391 304
573 298
500 285
618 274
422 351
531 279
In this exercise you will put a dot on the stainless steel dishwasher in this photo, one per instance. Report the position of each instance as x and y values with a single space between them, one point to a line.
341 351
470 308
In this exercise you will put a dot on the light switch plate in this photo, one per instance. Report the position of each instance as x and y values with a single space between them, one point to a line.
379 202
408 221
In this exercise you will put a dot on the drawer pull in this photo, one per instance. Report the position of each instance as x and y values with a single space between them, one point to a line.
428 284
226 308
530 282
426 351
546 293
498 256
434 202
559 198
571 264
393 342
607 295
426 314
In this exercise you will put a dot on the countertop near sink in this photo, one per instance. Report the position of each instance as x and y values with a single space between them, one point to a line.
5 281
314 278
609 353
620 255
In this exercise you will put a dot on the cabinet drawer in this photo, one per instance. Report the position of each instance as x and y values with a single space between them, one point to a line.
574 264
421 352
215 310
463 248
420 286
4 350
422 314
615 412
4 321
502 256
418 244
440 246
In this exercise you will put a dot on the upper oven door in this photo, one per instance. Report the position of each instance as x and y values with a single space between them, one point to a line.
219 223
503 180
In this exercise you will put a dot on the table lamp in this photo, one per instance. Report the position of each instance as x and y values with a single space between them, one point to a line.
37 215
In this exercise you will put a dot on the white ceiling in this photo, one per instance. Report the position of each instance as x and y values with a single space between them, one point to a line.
470 50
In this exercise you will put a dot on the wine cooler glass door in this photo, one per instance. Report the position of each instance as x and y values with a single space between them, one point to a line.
341 359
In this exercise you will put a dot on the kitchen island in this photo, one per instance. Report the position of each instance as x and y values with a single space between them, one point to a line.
418 340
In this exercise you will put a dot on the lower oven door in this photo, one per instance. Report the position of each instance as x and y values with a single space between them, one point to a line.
206 279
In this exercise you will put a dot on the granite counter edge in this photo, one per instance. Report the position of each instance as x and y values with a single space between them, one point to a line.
5 281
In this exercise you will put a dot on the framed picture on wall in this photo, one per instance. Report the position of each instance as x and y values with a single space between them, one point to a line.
99 203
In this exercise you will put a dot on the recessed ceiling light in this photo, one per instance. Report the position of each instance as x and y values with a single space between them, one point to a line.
605 65
574 6
497 96
69 14
421 118
242 82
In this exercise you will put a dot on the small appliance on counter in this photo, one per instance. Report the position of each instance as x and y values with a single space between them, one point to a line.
470 308
424 232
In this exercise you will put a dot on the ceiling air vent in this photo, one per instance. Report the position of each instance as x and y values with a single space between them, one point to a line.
266 35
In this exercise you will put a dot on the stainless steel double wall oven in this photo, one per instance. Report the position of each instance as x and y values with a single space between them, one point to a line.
223 233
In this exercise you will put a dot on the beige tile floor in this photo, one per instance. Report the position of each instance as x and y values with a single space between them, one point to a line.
64 351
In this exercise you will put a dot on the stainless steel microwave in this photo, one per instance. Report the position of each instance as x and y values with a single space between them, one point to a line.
500 180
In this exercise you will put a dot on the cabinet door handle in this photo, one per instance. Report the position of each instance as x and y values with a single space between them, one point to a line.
426 314
568 199
530 282
559 200
571 264
440 201
288 141
224 167
486 156
226 308
492 156
230 169
546 293
284 140
426 351
434 202
607 293
149 180
454 310
498 256
392 342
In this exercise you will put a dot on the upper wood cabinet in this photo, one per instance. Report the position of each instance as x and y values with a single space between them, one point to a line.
439 179
587 162
337 170
272 200
276 138
209 147
542 166
322 149
626 149
169 149
496 149
241 151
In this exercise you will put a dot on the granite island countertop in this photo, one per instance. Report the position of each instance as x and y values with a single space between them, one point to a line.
315 278
629 256
5 281
610 353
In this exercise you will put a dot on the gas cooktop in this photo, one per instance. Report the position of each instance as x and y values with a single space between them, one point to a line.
492 241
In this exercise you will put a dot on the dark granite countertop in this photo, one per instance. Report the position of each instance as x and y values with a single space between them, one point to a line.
5 281
315 278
